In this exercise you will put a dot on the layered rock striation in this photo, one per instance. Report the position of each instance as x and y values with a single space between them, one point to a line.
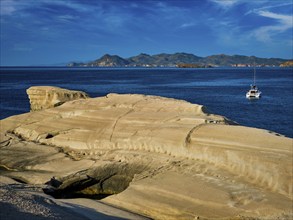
159 157
43 97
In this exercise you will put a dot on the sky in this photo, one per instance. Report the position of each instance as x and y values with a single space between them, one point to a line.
54 32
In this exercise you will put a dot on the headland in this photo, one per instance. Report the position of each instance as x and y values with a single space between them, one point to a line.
157 157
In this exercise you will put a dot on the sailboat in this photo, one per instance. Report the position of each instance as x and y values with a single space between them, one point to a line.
253 93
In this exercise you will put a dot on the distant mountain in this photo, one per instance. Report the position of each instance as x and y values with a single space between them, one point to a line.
181 60
177 58
241 61
142 60
109 61
163 59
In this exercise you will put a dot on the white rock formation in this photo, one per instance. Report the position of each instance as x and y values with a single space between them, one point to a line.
43 97
182 162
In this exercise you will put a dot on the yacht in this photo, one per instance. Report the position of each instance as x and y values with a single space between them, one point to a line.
253 93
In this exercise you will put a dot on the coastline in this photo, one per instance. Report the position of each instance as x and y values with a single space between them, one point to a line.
28 202
156 156
215 88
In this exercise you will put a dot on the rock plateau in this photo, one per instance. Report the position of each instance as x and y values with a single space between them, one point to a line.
158 157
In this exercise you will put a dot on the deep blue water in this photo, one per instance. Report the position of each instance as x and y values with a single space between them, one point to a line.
221 90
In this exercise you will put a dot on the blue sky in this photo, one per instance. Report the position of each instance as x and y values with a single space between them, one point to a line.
50 32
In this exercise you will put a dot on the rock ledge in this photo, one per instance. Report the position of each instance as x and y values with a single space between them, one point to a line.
44 97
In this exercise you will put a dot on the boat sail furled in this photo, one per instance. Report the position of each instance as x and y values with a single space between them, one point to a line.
253 93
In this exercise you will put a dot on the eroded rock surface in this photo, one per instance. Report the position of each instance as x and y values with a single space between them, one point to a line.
160 157
43 97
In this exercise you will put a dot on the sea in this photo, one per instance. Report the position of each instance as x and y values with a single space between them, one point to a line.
221 90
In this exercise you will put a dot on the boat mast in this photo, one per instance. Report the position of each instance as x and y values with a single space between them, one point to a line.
254 75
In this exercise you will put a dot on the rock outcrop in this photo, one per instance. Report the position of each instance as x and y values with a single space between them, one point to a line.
287 64
171 159
43 97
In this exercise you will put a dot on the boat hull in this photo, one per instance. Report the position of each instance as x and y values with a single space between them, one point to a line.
253 95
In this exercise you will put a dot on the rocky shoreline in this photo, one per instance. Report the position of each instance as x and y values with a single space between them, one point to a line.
28 202
158 157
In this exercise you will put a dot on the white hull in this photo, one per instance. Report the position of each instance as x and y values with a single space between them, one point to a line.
253 94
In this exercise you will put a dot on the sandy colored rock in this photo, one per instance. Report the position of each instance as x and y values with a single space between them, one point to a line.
43 97
178 160
27 202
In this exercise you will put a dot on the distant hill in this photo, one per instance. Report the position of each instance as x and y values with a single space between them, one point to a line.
181 60
241 61
142 60
109 61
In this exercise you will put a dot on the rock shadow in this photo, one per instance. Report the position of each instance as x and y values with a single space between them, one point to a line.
94 183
